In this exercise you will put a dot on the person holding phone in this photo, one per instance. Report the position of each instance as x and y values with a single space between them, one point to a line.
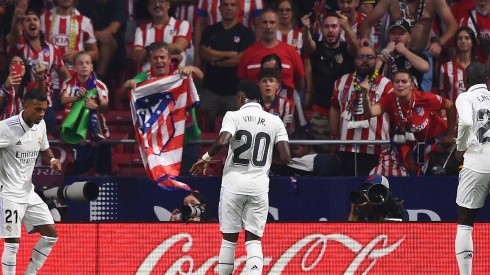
13 85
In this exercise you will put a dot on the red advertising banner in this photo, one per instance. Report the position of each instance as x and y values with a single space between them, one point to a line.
289 248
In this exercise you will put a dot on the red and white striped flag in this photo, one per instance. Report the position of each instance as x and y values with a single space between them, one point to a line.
158 107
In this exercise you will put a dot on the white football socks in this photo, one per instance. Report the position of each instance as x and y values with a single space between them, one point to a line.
464 249
40 253
255 258
9 258
226 258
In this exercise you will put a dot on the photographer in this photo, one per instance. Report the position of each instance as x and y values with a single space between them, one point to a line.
193 209
375 202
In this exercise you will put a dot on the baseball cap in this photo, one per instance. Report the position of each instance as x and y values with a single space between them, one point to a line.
401 23
377 179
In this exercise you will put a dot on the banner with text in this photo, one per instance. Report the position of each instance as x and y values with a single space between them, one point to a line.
289 248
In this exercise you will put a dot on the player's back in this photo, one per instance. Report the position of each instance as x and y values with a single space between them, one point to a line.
254 134
474 109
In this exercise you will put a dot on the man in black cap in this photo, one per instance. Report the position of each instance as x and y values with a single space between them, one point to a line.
397 54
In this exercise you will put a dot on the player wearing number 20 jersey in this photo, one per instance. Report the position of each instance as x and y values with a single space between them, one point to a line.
255 132
251 134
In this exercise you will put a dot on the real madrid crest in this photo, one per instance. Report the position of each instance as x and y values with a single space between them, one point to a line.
39 140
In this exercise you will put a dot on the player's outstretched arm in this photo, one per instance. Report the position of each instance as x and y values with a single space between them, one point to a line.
222 142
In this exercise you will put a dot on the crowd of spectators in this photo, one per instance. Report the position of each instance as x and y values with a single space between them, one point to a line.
355 70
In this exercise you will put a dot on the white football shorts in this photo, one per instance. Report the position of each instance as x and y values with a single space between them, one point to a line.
236 212
473 188
13 214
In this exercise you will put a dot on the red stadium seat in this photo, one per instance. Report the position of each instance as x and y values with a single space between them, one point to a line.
127 164
120 122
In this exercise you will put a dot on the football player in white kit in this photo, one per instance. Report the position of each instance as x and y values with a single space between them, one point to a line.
473 141
22 138
251 134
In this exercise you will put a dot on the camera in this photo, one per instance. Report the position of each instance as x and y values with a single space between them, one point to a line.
80 191
192 211
378 194
374 194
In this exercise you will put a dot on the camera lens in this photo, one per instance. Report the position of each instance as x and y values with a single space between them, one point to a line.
192 211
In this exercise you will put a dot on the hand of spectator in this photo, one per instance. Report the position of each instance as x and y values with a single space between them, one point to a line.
13 79
187 70
91 104
176 58
81 92
69 54
198 167
390 47
364 85
343 21
21 8
104 36
129 85
40 72
435 49
305 20
175 216
56 164
400 48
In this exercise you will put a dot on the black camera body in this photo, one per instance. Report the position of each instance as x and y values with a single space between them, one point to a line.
192 211
376 203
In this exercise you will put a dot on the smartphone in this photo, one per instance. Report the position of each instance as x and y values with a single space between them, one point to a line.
16 69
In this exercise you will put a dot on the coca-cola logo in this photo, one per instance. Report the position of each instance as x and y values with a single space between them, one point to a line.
314 248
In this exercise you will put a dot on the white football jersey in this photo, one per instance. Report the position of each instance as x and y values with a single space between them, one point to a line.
19 148
255 132
474 127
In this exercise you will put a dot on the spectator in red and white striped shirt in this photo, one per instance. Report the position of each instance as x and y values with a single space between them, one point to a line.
347 119
27 39
286 32
478 20
13 83
270 83
451 83
74 89
69 30
164 28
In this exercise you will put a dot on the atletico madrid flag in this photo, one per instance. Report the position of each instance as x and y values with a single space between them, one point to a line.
158 107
